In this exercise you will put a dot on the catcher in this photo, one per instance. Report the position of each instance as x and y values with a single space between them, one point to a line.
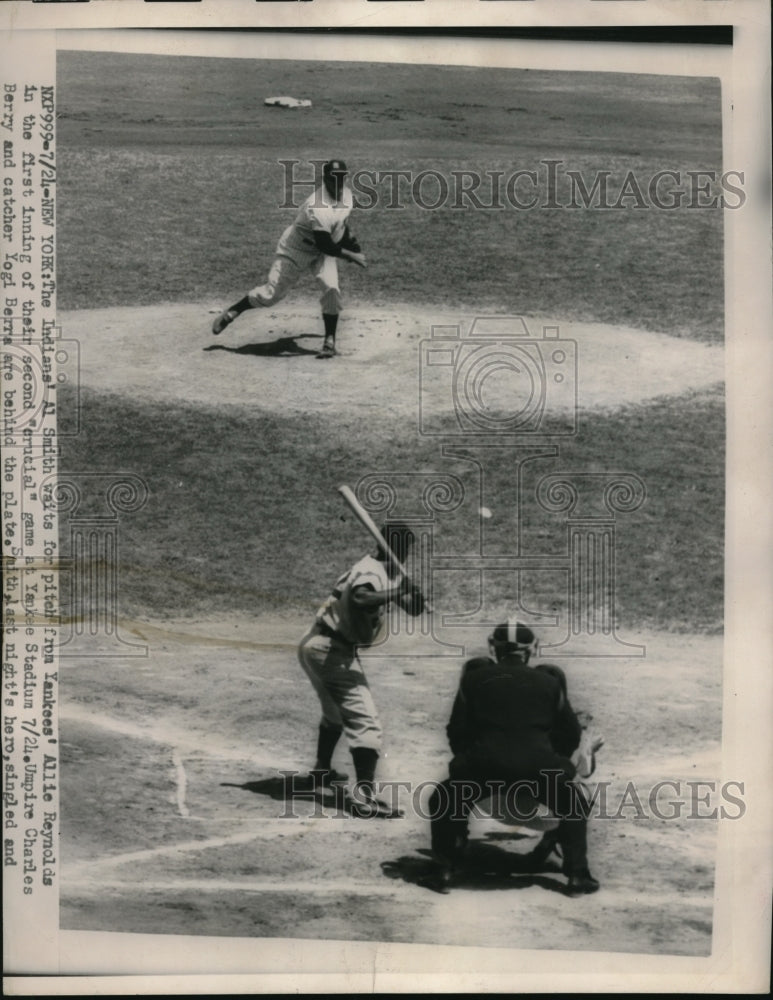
318 236
513 723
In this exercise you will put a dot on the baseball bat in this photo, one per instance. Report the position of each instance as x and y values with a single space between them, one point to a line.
370 525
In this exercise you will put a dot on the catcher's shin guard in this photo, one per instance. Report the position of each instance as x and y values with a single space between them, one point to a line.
572 836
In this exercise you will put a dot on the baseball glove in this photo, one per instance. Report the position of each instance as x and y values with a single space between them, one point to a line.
350 242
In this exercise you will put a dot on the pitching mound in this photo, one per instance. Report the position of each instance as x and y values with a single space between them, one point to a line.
267 359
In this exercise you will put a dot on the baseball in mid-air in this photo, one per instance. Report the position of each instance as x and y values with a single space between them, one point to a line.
484 512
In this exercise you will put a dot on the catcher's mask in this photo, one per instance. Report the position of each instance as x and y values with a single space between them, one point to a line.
399 537
333 176
512 639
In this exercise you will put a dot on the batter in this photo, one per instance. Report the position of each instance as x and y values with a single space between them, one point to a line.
352 617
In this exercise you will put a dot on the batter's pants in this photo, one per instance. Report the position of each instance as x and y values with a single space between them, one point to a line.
342 688
286 271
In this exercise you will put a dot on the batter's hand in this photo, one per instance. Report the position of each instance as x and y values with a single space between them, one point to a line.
411 598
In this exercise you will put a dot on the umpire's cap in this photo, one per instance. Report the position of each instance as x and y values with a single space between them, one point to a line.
513 639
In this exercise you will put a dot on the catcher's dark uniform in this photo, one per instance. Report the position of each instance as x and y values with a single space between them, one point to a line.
512 723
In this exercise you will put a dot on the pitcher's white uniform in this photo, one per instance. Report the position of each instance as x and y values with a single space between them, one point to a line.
297 253
328 654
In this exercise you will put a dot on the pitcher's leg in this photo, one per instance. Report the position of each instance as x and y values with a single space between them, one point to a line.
282 276
330 301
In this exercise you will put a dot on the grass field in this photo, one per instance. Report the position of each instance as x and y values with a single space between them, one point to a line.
171 187
220 521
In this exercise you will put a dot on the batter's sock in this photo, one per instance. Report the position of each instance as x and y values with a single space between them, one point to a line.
366 803
365 761
326 744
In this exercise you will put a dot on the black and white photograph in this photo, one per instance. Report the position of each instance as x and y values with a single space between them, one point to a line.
385 468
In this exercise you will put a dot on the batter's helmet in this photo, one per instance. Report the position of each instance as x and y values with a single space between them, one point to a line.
512 639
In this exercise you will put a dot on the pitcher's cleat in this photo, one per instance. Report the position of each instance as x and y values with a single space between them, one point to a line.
328 350
222 321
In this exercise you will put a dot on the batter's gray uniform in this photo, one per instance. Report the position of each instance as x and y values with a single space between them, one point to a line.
328 654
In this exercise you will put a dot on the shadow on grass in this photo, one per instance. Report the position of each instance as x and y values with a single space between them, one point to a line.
484 868
282 347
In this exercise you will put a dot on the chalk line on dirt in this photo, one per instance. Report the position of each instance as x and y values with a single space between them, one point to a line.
224 885
181 782
168 735
455 904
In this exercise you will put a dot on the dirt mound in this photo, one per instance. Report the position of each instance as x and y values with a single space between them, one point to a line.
267 359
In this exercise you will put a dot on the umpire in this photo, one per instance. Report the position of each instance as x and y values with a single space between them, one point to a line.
503 729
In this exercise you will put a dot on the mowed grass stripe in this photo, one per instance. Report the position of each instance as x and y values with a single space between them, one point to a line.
171 187
243 513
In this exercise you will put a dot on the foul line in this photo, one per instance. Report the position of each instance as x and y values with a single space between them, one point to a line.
617 895
167 734
182 782
158 852
223 885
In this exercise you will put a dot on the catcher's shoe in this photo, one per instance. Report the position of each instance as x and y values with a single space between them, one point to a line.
327 776
582 883
223 320
441 880
328 350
